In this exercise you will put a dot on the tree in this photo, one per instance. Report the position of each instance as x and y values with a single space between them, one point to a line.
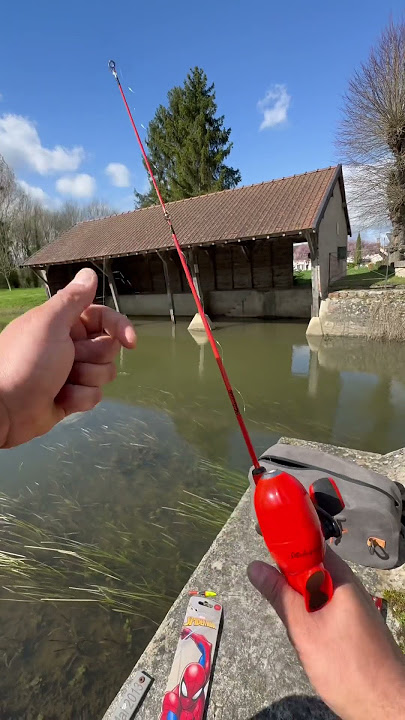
25 225
10 195
357 254
187 144
372 135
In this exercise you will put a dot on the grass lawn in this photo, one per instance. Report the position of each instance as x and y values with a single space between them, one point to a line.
355 279
21 299
302 277
362 277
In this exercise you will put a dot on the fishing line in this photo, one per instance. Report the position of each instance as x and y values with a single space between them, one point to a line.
197 300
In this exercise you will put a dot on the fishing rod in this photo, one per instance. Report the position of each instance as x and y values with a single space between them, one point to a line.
293 524
190 281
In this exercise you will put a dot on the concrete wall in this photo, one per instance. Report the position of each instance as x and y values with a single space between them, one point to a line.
157 304
332 234
364 313
289 303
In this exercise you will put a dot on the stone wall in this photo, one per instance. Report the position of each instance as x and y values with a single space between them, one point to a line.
257 674
378 314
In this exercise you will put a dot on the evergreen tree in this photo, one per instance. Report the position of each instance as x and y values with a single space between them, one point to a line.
188 144
357 254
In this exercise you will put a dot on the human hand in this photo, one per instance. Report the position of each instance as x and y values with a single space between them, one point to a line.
55 358
345 648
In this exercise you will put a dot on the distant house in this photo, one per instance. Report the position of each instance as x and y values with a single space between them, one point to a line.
239 245
301 257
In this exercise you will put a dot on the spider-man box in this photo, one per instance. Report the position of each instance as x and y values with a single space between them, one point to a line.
189 678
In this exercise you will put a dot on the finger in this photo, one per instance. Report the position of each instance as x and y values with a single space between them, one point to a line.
67 305
101 349
78 331
78 398
98 318
273 586
92 374
339 570
341 573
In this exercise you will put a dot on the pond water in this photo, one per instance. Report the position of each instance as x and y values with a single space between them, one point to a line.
102 520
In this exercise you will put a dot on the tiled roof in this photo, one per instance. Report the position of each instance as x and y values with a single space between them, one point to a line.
288 205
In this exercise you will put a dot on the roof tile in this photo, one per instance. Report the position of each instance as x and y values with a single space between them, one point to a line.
279 206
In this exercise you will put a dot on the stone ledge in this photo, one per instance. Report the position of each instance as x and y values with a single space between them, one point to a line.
257 674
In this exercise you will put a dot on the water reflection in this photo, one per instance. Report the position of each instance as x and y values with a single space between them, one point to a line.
98 485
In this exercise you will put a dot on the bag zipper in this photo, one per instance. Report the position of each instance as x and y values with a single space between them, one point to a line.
304 466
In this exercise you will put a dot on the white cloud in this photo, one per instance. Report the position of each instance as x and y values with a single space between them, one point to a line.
119 174
35 192
21 146
274 106
79 186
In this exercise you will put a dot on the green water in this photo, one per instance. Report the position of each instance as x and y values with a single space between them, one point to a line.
103 509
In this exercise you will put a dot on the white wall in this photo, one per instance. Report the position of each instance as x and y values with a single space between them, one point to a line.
332 233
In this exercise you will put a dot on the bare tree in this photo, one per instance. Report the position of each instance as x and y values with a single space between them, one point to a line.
25 225
10 195
372 136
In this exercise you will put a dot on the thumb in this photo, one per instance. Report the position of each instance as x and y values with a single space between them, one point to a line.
272 585
69 303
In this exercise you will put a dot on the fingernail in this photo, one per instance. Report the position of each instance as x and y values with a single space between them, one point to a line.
85 276
130 335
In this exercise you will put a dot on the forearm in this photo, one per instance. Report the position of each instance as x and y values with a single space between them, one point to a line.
372 691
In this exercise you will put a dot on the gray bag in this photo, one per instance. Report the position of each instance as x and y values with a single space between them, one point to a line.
371 521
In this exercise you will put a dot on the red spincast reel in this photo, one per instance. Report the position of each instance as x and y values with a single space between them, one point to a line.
294 525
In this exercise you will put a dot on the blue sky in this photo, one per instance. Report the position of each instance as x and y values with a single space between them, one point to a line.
279 68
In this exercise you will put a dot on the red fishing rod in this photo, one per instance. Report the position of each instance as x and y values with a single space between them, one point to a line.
200 308
286 513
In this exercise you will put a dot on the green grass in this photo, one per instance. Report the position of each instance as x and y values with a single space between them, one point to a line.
396 601
362 277
355 279
21 299
302 277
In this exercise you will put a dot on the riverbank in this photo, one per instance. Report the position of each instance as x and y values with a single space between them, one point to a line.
19 300
257 674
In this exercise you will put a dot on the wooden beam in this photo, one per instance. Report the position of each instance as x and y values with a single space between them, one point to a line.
248 249
42 275
105 268
212 255
271 253
168 289
195 273
312 240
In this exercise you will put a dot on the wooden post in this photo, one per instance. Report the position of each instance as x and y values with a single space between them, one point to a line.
42 275
195 273
211 254
168 288
312 240
113 287
105 268
248 253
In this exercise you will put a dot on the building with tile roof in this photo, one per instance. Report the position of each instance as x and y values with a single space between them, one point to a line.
239 244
